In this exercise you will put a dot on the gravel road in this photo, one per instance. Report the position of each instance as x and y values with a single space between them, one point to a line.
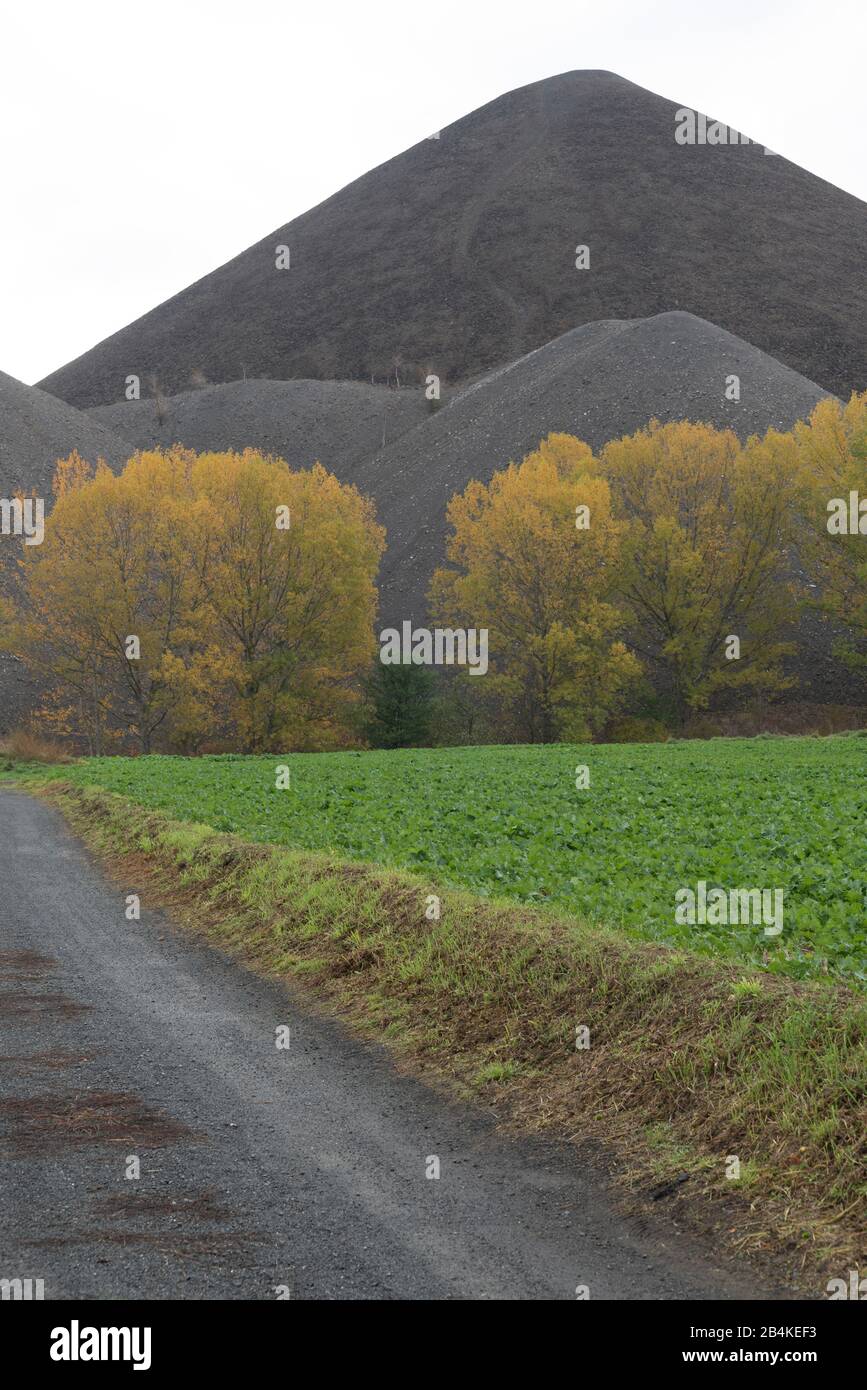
261 1168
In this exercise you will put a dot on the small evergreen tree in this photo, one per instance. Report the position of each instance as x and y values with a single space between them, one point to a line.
400 706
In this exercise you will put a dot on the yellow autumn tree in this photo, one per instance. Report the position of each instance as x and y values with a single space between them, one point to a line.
832 458
110 619
532 556
219 599
704 556
291 566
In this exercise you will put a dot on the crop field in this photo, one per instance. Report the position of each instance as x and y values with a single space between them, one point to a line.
778 814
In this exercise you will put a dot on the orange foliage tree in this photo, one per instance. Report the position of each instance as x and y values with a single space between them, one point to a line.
533 555
222 597
704 558
832 458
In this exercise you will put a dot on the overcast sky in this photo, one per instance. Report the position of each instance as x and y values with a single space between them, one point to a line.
143 145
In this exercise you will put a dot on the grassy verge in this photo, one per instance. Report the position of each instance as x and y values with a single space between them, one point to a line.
691 1060
509 822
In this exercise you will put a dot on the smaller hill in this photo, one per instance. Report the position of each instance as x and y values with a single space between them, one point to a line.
37 429
340 423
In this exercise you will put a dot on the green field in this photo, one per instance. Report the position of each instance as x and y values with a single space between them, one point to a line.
773 813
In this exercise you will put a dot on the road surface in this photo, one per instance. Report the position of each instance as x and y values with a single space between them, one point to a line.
128 1047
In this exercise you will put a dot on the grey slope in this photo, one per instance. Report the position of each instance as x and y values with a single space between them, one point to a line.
340 423
37 429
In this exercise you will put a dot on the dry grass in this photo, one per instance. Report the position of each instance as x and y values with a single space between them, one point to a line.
24 746
53 1123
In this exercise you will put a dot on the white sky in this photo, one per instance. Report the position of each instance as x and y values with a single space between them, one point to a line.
145 144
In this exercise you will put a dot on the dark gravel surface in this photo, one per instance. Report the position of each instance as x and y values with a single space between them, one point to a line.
340 423
459 254
37 429
259 1168
599 382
